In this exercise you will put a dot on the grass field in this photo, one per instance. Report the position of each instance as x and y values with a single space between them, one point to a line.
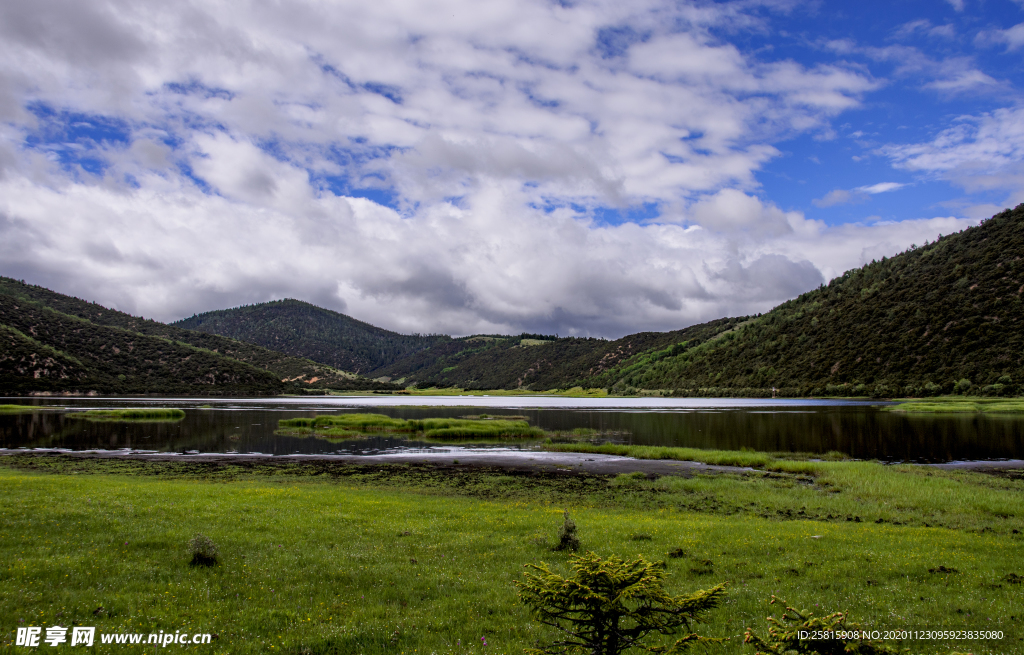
327 558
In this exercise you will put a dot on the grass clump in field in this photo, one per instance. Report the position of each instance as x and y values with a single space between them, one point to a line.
134 414
202 550
17 409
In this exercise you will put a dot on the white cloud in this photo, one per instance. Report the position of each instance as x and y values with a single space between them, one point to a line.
1012 37
881 187
851 196
167 250
221 128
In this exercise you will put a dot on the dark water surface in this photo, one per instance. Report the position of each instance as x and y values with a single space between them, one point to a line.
862 430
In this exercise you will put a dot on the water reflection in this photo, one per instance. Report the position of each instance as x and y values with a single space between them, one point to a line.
860 430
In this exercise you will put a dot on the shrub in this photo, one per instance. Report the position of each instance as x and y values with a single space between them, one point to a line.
793 634
567 539
609 605
203 551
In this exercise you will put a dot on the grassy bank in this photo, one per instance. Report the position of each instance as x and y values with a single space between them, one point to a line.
318 559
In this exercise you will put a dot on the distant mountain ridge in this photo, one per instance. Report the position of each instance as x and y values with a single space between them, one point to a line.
57 343
304 330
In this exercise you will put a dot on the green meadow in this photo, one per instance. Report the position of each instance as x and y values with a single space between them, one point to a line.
330 558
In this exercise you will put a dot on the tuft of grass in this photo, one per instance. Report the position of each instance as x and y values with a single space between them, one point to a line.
134 414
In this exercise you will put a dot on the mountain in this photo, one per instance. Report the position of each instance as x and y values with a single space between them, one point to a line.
940 318
52 342
503 362
304 330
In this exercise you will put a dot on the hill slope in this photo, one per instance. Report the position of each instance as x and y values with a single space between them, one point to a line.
53 342
486 362
304 330
944 317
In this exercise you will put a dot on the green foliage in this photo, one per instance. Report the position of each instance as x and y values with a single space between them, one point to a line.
202 551
799 632
134 414
610 605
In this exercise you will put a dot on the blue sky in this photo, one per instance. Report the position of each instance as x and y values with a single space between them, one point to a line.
591 168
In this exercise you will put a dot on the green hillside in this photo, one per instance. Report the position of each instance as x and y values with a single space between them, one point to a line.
53 342
945 317
489 362
304 330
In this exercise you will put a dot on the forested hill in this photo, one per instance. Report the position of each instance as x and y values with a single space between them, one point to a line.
53 342
944 317
304 330
497 362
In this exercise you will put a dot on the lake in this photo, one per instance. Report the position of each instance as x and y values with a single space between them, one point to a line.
864 430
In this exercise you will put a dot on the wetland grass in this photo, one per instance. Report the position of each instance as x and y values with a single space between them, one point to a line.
134 414
17 409
349 426
960 405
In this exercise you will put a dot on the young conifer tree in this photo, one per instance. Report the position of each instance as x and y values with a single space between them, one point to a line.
609 605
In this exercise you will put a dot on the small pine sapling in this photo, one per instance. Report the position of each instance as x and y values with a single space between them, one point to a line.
203 551
799 632
609 605
567 539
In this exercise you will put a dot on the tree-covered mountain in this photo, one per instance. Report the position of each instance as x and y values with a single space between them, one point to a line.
304 330
943 317
497 362
52 342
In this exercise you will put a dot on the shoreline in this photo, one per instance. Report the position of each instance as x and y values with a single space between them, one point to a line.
536 461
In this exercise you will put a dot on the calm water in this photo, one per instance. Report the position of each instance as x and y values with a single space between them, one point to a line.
862 430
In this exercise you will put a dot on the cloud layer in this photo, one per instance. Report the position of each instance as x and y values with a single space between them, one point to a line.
458 166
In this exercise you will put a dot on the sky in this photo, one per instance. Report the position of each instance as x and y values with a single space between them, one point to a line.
587 168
